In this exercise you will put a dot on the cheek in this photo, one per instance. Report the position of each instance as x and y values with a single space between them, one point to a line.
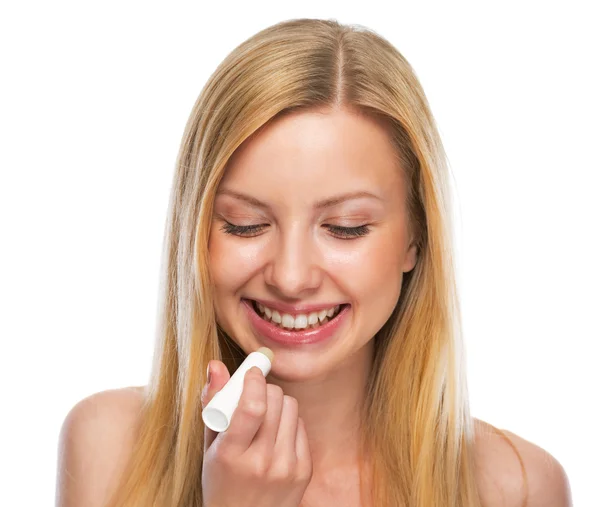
232 262
371 274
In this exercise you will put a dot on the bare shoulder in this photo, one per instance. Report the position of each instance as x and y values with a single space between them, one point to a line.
95 442
513 472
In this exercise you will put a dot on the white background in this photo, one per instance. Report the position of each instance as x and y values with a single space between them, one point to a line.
94 99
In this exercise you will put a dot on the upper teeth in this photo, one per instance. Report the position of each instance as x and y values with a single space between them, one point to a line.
300 320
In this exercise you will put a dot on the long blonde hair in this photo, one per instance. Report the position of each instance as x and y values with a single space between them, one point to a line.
416 414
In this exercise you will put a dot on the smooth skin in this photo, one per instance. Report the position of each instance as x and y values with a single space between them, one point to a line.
98 434
292 441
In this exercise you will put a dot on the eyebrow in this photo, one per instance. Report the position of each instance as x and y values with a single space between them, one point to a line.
324 203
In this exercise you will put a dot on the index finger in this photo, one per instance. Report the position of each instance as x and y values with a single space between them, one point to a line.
249 414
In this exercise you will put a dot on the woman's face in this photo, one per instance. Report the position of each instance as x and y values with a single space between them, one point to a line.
311 214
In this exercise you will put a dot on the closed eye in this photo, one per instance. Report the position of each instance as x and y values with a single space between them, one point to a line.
348 232
242 230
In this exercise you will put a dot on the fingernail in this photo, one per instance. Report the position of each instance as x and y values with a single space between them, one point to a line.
208 374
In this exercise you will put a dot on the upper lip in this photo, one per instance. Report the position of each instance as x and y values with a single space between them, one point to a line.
295 309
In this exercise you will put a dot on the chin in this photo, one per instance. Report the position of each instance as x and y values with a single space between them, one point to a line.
287 367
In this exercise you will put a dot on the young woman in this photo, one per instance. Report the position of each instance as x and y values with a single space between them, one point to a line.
310 214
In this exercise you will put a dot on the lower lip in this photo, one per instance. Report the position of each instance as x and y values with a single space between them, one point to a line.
280 335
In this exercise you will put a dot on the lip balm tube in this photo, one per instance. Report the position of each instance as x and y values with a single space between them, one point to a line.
217 413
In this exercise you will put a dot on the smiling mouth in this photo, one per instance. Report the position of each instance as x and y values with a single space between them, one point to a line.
297 322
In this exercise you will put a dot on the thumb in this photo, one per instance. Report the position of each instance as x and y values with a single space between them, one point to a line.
217 377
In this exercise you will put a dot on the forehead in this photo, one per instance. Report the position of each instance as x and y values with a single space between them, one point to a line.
319 152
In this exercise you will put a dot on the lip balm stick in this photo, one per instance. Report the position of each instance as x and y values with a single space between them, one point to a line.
217 413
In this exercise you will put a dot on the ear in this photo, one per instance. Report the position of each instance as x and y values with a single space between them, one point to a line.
410 259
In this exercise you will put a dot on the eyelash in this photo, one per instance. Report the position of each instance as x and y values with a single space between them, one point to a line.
340 232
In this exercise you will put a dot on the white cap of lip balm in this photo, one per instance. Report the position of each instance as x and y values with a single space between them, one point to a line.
217 413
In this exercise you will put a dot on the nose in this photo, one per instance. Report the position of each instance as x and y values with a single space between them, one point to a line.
294 271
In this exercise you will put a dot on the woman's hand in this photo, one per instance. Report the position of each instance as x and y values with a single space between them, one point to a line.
263 458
